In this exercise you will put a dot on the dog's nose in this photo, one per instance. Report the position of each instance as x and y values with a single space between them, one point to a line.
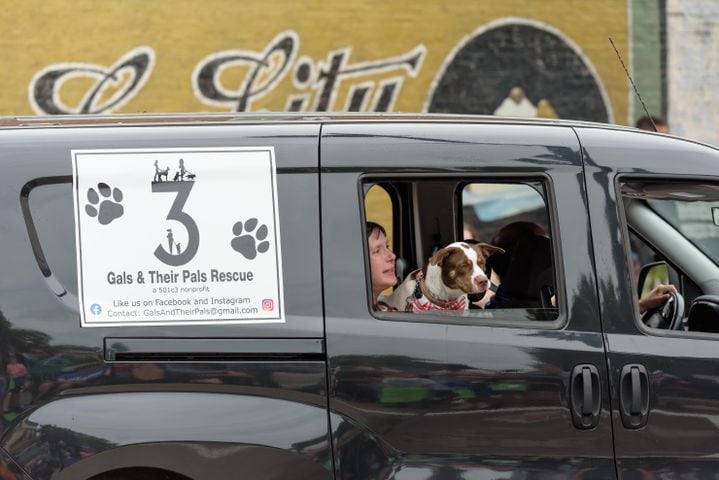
482 282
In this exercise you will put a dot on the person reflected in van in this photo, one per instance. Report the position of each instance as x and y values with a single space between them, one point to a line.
382 268
19 381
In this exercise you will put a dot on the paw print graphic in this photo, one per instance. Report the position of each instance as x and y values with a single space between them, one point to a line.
106 205
250 243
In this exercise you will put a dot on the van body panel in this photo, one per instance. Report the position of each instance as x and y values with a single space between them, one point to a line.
31 156
202 461
226 381
77 426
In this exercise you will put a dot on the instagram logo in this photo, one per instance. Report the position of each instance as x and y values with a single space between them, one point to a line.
268 305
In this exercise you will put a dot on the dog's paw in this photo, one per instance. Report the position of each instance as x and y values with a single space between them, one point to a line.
106 205
250 243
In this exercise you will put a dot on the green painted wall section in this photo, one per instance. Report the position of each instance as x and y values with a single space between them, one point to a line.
646 48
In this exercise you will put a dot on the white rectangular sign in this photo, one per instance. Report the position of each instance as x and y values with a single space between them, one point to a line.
177 236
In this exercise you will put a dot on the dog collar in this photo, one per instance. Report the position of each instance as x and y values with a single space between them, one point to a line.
433 303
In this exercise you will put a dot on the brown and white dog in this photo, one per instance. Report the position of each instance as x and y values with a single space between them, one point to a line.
443 284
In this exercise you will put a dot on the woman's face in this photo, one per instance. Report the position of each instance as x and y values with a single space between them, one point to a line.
381 262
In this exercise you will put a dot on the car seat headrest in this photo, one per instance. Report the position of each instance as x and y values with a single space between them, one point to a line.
528 270
401 268
704 314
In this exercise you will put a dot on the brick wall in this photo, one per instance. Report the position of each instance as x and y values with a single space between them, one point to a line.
693 68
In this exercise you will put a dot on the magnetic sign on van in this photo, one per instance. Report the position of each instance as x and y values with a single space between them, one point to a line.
177 236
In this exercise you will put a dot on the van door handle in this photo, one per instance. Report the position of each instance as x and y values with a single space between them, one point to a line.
634 396
585 396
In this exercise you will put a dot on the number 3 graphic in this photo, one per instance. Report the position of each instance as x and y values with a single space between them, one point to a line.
193 242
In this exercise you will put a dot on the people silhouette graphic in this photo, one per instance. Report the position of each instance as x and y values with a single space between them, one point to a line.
182 170
160 173
170 239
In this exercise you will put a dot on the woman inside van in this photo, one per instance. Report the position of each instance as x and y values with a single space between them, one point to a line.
381 264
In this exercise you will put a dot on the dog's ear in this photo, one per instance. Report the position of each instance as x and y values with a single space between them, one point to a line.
440 256
485 250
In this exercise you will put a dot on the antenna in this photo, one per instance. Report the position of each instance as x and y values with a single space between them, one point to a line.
633 85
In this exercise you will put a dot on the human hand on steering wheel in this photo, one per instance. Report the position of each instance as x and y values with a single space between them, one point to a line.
656 298
663 308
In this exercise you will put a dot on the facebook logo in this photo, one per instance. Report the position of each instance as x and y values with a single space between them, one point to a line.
95 309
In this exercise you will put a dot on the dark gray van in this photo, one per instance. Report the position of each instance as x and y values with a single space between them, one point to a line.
190 298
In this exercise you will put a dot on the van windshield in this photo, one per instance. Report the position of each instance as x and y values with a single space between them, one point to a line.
691 207
696 220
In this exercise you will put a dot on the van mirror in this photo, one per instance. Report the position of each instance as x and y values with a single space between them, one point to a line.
651 275
715 215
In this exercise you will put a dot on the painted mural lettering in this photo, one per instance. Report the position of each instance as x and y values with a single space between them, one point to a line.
317 83
510 66
266 69
337 69
112 87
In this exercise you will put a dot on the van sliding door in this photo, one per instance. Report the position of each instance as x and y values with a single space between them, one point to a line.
488 393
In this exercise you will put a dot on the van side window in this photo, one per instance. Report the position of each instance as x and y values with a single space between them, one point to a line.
53 241
463 249
672 243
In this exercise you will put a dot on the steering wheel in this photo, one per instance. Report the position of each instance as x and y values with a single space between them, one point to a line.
667 317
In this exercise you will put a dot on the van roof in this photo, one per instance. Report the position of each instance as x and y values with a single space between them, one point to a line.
281 117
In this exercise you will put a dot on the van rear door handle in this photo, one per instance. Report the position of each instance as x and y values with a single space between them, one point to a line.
634 396
585 396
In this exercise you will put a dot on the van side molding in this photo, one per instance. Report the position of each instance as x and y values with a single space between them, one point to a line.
213 349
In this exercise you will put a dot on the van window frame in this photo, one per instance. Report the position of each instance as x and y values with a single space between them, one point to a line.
478 317
619 180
